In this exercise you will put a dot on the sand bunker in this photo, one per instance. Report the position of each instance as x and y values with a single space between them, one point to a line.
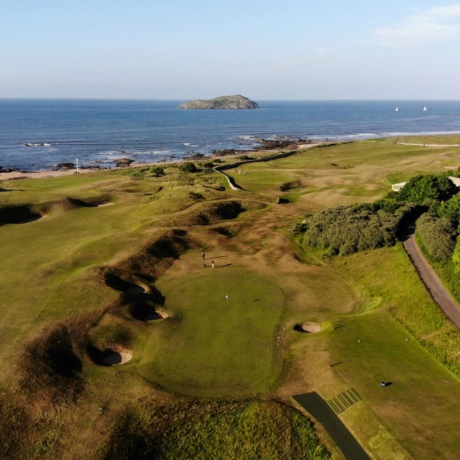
91 203
307 327
19 215
157 314
135 290
111 357
147 312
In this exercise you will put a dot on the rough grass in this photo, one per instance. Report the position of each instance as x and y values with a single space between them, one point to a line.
205 430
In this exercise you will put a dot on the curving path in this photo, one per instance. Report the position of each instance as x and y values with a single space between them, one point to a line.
431 280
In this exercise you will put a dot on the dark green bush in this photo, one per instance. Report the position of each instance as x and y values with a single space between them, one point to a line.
348 229
157 171
450 208
188 167
438 236
421 188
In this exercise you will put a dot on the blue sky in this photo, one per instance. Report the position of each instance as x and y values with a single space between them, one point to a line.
301 50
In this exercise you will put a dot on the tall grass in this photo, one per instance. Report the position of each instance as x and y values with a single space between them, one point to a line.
212 430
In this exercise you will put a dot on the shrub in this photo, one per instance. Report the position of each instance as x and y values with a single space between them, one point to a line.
157 171
450 208
348 229
188 167
437 236
420 188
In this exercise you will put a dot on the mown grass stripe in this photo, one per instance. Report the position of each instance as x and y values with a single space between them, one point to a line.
338 403
354 394
334 406
344 400
348 398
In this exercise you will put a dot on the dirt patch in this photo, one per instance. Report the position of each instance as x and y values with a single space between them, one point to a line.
307 327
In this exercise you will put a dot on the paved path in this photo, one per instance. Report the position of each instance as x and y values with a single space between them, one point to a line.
432 281
322 412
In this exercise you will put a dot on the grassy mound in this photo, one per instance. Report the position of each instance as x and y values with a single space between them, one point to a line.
52 366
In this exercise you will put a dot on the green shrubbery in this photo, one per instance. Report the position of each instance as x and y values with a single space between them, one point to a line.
188 167
348 229
425 187
437 236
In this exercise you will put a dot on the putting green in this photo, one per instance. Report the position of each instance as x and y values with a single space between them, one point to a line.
214 346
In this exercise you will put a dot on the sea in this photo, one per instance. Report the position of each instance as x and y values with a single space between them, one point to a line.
38 134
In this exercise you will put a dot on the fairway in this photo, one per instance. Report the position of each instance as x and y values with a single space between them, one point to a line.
215 346
422 402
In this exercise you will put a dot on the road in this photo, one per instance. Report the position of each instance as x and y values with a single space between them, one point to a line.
431 280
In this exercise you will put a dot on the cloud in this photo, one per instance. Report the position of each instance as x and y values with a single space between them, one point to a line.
433 25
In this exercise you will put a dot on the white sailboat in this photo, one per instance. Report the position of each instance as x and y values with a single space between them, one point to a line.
396 110
424 108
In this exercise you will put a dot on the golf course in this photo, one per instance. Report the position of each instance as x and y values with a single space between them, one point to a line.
157 313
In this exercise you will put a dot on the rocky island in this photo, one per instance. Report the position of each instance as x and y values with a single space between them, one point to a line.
223 102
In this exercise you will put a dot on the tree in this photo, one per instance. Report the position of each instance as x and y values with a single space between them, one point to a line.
450 208
188 167
430 186
438 236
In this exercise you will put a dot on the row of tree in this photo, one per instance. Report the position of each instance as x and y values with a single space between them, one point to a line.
433 199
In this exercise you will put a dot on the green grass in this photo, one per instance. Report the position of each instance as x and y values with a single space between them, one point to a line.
449 140
216 347
373 348
52 273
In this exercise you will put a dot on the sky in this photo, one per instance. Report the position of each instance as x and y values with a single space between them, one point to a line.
262 49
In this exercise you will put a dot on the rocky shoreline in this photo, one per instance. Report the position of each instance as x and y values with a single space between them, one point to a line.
62 169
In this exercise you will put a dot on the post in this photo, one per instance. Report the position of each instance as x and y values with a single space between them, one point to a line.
77 166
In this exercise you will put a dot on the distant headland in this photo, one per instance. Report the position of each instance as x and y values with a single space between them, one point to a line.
223 102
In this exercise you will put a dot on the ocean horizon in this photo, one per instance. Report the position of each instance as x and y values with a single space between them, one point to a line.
37 134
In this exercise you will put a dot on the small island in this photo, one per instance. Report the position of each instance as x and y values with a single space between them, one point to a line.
223 102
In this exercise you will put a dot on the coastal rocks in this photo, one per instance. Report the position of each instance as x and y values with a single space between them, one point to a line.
223 102
123 162
64 166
